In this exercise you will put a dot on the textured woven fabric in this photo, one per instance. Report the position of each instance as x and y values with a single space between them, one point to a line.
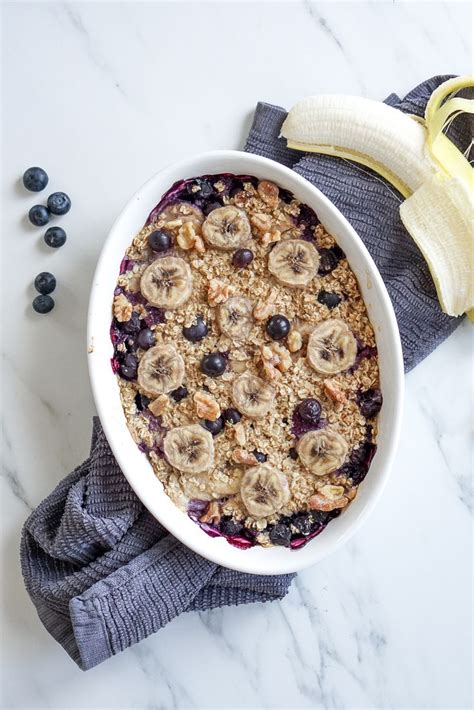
101 571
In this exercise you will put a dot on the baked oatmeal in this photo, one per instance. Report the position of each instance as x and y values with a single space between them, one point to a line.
246 360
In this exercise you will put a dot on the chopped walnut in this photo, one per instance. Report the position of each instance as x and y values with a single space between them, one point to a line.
188 238
276 355
263 309
268 192
274 235
206 406
328 498
239 433
244 457
295 341
269 371
334 392
212 514
122 308
159 405
261 221
218 292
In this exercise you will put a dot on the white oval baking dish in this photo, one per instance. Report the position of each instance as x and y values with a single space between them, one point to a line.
135 465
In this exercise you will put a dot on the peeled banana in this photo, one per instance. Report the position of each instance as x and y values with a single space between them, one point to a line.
418 159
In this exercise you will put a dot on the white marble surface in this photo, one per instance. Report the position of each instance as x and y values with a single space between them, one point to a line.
102 95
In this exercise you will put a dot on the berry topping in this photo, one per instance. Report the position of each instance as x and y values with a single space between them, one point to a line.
215 427
370 403
278 327
146 339
196 332
213 364
280 534
179 393
231 416
331 300
309 410
159 240
242 258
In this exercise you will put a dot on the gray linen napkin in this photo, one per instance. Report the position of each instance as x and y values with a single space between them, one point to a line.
102 573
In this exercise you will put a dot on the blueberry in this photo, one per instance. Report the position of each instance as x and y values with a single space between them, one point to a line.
237 187
211 206
132 326
141 402
278 327
179 393
242 258
129 373
159 240
35 179
230 526
55 237
359 462
39 215
231 415
131 360
309 411
146 339
260 456
43 304
370 402
329 299
45 282
59 203
329 259
303 523
292 453
213 364
204 190
320 518
215 427
130 343
280 534
196 332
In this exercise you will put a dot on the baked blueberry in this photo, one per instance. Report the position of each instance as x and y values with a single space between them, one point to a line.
309 410
303 523
179 393
133 325
230 526
215 427
146 339
260 456
292 453
35 179
196 332
141 402
329 299
55 237
231 416
211 206
39 215
280 534
278 327
159 240
43 304
213 364
203 191
370 402
59 203
242 258
329 259
45 283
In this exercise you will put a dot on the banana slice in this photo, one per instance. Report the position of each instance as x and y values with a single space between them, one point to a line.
322 451
332 347
190 448
235 318
167 282
226 228
161 370
294 262
264 490
252 396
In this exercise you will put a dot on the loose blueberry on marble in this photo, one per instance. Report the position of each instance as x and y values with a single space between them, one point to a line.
39 215
45 283
55 237
146 339
43 303
197 331
260 456
278 327
309 410
211 206
329 299
35 179
133 325
280 534
370 402
179 393
230 527
215 427
159 240
231 416
242 258
213 364
59 203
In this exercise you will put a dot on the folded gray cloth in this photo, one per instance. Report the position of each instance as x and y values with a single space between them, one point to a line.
101 571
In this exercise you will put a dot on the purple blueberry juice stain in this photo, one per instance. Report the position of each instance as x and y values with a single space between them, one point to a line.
300 427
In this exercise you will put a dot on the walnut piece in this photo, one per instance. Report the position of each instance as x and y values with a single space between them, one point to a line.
188 238
268 192
159 405
295 341
328 498
123 309
274 235
206 406
276 355
239 433
261 221
334 392
212 514
244 457
263 309
218 292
